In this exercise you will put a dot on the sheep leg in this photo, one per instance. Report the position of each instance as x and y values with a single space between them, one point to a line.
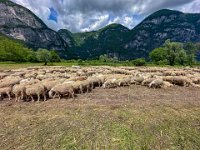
32 98
59 96
9 96
22 96
72 94
38 97
45 98
16 98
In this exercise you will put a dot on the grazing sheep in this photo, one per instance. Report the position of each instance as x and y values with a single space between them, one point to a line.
110 83
10 81
180 81
36 90
146 82
158 83
7 91
166 84
85 86
137 80
124 81
19 91
62 90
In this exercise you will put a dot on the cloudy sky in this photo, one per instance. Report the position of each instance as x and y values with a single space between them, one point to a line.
88 15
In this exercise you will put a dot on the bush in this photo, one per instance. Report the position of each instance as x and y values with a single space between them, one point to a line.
139 62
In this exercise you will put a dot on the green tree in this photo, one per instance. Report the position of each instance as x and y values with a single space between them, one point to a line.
158 55
54 57
173 51
43 55
191 50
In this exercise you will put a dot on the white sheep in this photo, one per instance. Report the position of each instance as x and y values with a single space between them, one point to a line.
36 90
62 90
7 91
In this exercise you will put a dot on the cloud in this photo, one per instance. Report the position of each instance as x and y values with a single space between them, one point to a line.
88 15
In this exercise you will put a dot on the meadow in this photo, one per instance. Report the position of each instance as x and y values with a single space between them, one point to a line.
124 118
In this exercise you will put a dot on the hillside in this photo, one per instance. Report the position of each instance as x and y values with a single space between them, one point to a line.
20 23
108 40
118 41
160 26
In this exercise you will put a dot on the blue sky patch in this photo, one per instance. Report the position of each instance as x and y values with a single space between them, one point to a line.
53 15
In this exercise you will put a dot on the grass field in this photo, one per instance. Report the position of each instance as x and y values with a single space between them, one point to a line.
114 119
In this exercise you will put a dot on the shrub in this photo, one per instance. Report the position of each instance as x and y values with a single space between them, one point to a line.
139 62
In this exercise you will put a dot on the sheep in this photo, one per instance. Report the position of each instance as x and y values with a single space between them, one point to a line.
180 81
19 91
146 82
35 89
156 83
166 84
94 81
62 89
49 84
7 91
124 81
110 83
85 86
10 81
137 80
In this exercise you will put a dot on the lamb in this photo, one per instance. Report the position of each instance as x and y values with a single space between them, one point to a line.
36 89
7 91
62 89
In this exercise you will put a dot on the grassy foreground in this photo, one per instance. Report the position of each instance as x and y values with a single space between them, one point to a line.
115 119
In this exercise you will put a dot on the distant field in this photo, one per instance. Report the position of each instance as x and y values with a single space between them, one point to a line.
13 65
113 119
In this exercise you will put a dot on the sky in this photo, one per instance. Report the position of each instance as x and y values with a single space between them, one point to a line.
90 15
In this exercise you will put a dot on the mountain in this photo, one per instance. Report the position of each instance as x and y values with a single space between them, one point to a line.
20 23
160 26
108 40
114 40
117 40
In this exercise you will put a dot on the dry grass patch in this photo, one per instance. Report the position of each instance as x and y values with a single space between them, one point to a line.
123 118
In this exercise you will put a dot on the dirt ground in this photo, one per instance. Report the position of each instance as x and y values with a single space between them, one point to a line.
133 117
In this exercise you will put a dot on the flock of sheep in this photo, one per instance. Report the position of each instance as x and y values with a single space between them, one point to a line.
36 83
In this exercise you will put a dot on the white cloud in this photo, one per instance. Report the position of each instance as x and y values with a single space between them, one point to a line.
87 15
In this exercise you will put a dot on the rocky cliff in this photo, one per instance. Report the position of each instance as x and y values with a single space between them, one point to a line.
20 23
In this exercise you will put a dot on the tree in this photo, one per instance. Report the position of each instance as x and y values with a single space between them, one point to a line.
191 50
43 55
54 56
158 55
174 53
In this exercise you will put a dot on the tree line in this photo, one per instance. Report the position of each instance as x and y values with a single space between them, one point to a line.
175 53
170 53
12 50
